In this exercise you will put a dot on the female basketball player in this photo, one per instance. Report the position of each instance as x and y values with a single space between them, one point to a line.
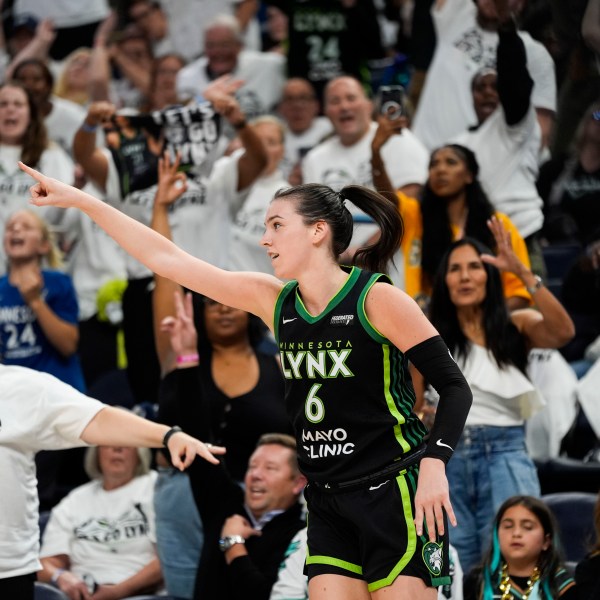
378 495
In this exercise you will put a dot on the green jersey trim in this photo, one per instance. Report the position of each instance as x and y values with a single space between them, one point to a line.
411 545
390 401
334 562
362 313
339 296
283 294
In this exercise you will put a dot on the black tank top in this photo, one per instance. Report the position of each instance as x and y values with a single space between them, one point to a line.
348 390
238 422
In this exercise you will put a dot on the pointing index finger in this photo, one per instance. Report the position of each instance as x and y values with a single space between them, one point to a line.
27 169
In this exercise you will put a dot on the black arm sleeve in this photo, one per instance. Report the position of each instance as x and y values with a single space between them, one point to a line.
434 361
514 82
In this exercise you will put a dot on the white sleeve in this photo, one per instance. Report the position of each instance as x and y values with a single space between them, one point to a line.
451 15
223 180
406 159
64 414
541 69
291 582
309 169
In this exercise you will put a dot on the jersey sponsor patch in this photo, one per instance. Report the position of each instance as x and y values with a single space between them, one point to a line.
342 320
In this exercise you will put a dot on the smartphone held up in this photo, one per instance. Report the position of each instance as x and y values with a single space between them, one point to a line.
391 101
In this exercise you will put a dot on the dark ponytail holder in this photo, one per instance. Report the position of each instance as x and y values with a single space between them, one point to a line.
343 200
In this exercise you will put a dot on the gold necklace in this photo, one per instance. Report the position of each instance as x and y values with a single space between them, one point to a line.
505 583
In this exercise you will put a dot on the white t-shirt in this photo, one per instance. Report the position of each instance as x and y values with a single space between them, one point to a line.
15 184
107 535
187 19
336 165
94 259
297 145
200 219
508 162
446 102
245 252
263 74
65 13
62 123
37 412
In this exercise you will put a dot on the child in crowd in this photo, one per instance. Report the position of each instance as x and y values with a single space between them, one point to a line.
38 305
524 560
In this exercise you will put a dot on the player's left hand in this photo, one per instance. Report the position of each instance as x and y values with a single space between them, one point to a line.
432 498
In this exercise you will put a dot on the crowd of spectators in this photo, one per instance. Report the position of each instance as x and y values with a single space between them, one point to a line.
188 116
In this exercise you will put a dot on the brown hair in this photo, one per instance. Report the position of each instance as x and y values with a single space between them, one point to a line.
281 439
35 138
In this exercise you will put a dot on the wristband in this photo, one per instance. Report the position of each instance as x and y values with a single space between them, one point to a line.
240 125
175 429
57 573
88 128
539 283
186 359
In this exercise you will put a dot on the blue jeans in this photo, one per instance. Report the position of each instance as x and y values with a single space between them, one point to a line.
490 465
179 533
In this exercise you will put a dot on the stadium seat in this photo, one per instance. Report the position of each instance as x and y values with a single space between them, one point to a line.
558 259
44 591
574 512
568 475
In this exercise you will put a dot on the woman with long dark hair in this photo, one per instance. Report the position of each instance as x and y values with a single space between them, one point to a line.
491 347
452 205
377 497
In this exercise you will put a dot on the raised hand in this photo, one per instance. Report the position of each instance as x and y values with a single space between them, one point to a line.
181 328
45 32
387 128
221 87
99 112
220 93
171 182
505 258
51 192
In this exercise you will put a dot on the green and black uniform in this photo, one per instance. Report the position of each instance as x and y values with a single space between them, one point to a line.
350 399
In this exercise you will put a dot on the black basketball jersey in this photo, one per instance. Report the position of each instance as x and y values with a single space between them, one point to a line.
348 391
